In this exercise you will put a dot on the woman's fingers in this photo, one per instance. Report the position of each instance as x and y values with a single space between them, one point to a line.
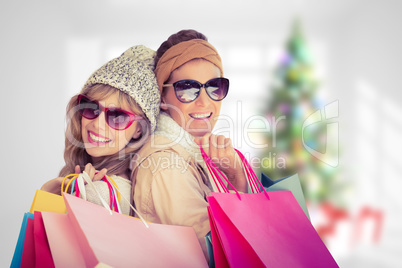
87 168
198 141
77 169
221 146
204 143
219 149
98 176
213 148
90 170
95 175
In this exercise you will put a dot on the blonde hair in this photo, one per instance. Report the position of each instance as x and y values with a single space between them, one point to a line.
75 153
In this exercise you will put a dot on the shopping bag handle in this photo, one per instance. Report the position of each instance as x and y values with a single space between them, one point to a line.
85 177
217 175
255 184
78 185
113 193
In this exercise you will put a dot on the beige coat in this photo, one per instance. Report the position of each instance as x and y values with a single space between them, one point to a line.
169 187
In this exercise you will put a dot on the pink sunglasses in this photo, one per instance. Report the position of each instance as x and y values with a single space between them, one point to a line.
116 118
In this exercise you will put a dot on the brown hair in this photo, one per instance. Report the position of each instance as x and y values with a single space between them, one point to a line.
75 153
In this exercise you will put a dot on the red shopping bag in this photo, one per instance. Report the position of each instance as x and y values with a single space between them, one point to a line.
262 229
43 257
33 239
28 252
36 251
108 238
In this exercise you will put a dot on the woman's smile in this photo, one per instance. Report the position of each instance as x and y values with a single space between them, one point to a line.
200 115
97 139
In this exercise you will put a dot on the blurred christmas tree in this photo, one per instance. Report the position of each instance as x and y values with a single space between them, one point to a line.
294 99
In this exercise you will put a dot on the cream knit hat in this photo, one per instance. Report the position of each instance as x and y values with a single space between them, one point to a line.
133 74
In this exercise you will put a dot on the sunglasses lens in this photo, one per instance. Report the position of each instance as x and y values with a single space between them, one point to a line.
88 108
217 88
117 119
187 90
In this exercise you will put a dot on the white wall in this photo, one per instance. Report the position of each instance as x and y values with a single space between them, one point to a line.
49 48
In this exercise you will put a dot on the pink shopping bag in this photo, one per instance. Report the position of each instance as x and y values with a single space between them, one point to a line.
108 238
262 229
63 243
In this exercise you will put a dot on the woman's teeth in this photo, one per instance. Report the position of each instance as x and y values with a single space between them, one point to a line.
201 116
98 139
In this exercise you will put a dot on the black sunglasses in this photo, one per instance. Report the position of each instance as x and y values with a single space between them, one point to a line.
188 90
116 118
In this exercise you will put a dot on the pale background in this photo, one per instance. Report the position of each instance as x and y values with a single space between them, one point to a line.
49 48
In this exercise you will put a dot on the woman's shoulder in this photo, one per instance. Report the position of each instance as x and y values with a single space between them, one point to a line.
160 148
120 179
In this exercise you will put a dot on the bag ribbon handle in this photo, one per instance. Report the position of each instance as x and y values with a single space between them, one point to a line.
79 181
217 175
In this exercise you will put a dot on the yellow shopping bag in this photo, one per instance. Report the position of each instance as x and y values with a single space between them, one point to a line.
45 201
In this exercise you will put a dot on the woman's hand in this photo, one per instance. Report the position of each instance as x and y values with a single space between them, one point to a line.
90 170
54 186
221 152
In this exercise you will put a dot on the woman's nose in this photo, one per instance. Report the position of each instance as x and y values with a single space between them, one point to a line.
203 99
100 121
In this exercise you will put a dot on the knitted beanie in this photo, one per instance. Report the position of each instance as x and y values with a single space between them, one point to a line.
132 73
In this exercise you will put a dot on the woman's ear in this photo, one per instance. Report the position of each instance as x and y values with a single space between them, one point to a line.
163 104
137 132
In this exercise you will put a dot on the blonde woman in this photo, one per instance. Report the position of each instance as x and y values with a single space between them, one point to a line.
109 120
